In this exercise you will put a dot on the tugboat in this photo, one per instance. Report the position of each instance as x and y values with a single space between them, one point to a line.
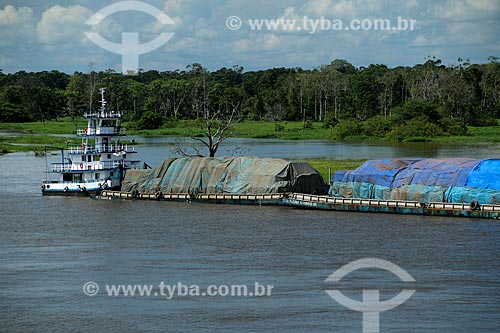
98 163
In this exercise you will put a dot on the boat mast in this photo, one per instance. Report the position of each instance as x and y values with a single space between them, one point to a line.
103 101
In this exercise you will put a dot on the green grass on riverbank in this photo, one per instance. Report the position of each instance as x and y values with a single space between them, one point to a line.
9 144
62 126
327 167
248 129
291 130
286 130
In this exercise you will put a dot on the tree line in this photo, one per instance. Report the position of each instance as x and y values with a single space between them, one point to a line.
427 99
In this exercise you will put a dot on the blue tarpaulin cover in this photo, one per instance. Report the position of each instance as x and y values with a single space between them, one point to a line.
377 172
429 180
486 174
436 172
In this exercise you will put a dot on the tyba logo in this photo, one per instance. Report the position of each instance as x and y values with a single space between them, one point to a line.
130 49
371 306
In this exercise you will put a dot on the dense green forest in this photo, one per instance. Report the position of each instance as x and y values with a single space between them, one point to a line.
425 100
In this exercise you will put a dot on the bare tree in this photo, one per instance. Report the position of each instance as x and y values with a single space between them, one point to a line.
386 96
218 127
220 115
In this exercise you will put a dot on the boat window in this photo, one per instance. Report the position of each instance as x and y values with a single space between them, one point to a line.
97 158
67 177
77 177
97 175
107 123
90 158
83 158
109 156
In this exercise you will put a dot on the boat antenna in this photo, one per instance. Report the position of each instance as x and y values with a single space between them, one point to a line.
103 101
92 84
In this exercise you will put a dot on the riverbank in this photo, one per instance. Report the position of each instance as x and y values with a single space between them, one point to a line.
36 144
285 130
33 143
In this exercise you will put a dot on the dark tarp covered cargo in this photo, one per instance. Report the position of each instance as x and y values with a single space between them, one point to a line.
236 175
425 180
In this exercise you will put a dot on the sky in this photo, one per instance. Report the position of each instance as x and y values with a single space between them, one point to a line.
53 34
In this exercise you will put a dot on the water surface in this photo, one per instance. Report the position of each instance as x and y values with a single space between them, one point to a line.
51 246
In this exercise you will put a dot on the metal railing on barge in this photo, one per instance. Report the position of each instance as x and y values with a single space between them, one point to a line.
323 202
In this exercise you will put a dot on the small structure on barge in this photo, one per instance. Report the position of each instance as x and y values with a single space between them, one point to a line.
98 163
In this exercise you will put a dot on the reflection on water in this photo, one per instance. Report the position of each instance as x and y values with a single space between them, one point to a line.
157 148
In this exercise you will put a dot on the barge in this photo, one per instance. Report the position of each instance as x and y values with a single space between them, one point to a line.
322 202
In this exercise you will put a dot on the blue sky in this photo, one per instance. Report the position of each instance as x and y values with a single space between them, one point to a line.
50 34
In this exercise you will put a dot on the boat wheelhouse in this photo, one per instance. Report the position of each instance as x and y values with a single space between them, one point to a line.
98 163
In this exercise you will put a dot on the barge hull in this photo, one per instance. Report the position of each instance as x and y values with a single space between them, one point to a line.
322 202
392 206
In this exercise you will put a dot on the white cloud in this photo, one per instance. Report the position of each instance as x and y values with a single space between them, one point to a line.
420 40
17 25
260 42
318 8
470 33
468 9
184 44
343 9
175 7
269 42
242 45
50 34
63 24
206 33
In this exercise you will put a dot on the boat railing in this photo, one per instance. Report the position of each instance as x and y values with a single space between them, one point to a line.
100 180
103 114
101 149
90 131
59 167
84 166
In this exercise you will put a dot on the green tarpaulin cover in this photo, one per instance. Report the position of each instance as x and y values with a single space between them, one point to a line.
236 175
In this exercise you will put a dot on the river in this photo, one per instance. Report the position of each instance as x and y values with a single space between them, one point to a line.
51 246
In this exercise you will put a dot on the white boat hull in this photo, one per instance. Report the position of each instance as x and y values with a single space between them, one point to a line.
82 188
